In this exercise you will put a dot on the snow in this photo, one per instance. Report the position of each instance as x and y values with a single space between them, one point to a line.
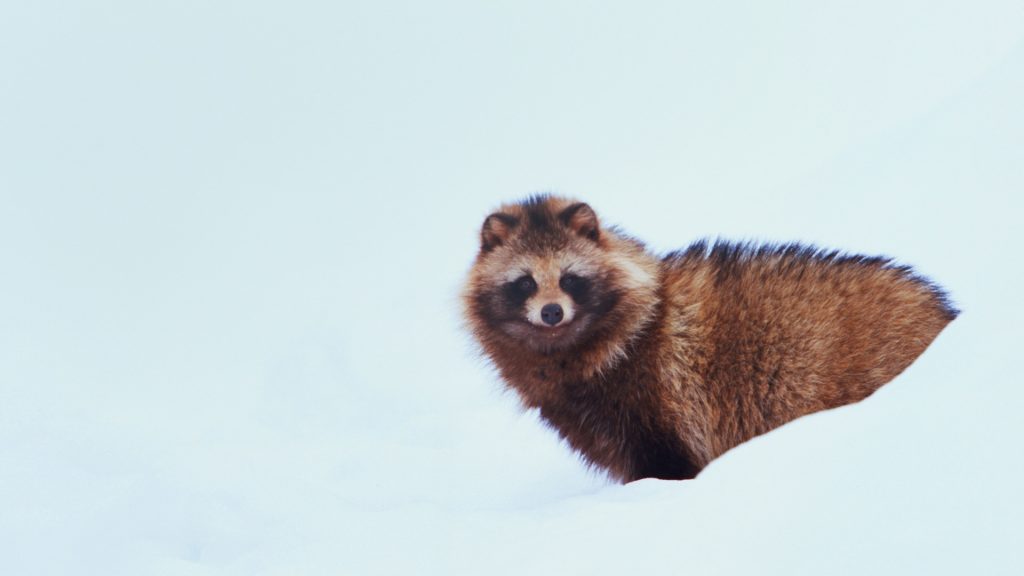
233 237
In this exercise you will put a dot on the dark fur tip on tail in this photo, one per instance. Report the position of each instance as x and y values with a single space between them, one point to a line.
942 298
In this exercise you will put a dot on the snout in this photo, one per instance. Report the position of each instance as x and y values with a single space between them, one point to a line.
552 314
548 311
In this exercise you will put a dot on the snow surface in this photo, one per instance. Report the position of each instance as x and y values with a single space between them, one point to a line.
233 234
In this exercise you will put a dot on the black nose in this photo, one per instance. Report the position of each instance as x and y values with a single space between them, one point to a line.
551 314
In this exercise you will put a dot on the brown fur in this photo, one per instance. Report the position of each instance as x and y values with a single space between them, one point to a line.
661 365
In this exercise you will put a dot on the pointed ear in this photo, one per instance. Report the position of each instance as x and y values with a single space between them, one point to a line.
497 228
582 219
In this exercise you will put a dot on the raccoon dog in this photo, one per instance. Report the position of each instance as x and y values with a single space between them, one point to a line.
653 367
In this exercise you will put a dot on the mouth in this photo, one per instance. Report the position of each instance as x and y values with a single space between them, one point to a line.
547 339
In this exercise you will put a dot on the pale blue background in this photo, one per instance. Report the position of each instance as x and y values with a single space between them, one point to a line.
232 236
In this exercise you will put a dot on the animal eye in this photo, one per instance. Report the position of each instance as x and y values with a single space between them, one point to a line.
526 285
575 286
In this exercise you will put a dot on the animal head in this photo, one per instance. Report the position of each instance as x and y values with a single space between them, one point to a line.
548 276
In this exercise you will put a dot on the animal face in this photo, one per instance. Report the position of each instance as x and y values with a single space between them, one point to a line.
542 279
